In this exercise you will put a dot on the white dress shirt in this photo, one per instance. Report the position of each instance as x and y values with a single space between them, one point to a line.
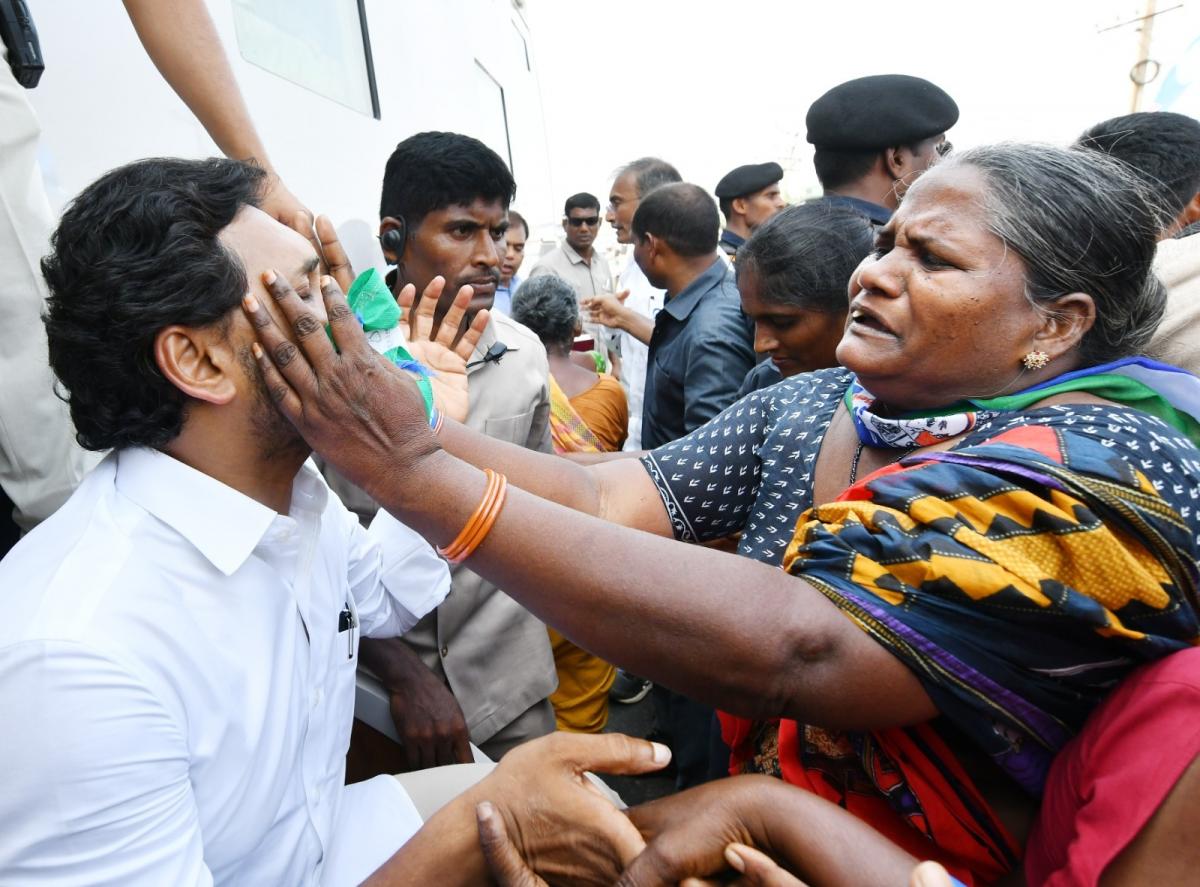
175 693
646 300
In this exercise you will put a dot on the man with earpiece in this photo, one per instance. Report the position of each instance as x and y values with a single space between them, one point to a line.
483 666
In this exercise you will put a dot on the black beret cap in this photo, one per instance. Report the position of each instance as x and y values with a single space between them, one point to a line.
879 111
748 179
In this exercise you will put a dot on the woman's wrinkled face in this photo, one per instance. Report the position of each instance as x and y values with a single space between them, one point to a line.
938 310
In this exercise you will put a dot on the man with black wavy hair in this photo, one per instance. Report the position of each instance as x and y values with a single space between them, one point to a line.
177 672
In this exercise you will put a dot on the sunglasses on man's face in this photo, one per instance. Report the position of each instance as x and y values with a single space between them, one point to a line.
590 221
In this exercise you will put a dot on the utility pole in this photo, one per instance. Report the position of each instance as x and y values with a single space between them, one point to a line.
1143 65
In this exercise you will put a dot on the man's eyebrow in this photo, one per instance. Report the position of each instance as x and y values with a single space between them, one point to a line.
309 267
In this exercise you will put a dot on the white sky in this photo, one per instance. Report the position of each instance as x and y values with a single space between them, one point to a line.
711 85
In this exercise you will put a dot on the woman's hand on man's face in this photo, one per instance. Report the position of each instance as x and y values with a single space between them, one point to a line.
353 406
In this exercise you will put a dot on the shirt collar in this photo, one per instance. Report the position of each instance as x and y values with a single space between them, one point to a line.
733 239
685 303
224 525
573 257
878 215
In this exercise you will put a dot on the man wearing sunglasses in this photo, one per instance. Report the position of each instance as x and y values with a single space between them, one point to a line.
577 261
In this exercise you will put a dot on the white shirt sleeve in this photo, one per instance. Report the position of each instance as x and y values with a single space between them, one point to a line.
395 576
94 785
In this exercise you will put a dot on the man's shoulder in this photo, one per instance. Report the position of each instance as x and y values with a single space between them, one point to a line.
516 335
551 261
85 561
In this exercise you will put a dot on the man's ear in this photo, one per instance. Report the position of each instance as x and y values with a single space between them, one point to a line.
1189 214
197 361
392 244
565 224
896 162
1065 324
738 205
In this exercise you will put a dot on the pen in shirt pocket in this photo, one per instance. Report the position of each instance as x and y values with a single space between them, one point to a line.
347 622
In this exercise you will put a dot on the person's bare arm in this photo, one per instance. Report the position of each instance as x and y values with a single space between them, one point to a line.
610 311
690 618
181 40
687 835
429 720
557 819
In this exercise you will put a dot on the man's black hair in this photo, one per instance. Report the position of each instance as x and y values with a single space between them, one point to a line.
726 204
515 218
433 170
582 200
137 251
1161 147
683 215
836 167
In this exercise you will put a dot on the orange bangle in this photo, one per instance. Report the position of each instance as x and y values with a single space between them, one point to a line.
470 535
480 522
486 523
450 551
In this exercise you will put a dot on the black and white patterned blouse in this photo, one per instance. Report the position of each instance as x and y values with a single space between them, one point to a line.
751 468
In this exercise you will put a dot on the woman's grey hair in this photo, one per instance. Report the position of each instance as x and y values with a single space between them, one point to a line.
1082 223
804 255
547 305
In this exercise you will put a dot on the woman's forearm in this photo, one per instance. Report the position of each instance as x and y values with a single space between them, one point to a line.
615 489
720 628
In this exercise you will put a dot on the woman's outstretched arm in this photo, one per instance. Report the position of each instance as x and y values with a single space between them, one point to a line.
720 628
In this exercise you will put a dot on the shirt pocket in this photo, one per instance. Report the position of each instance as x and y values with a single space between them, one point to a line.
514 429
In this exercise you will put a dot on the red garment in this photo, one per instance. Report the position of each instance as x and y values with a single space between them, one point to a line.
946 818
1107 782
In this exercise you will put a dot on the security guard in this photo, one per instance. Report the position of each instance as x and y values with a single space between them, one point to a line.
874 136
749 195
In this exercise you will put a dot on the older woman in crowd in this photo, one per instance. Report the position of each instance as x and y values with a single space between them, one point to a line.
588 411
792 275
588 414
984 520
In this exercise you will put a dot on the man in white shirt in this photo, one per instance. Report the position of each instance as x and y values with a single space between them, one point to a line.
632 311
178 643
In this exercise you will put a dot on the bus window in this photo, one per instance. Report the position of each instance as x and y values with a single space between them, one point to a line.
321 45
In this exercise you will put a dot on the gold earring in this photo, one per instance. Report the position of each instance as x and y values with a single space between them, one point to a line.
1035 360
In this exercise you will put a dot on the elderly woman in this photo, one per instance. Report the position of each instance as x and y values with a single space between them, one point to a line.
792 275
588 411
984 520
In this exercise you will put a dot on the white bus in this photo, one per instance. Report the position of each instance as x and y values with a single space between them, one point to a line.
332 86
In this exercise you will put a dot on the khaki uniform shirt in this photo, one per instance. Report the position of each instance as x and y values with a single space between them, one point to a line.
493 653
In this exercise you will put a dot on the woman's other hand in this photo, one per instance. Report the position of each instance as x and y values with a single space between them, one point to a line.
691 836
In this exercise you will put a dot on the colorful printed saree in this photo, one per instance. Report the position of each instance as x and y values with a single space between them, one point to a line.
1020 576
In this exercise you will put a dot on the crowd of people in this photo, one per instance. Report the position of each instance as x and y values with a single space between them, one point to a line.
889 500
